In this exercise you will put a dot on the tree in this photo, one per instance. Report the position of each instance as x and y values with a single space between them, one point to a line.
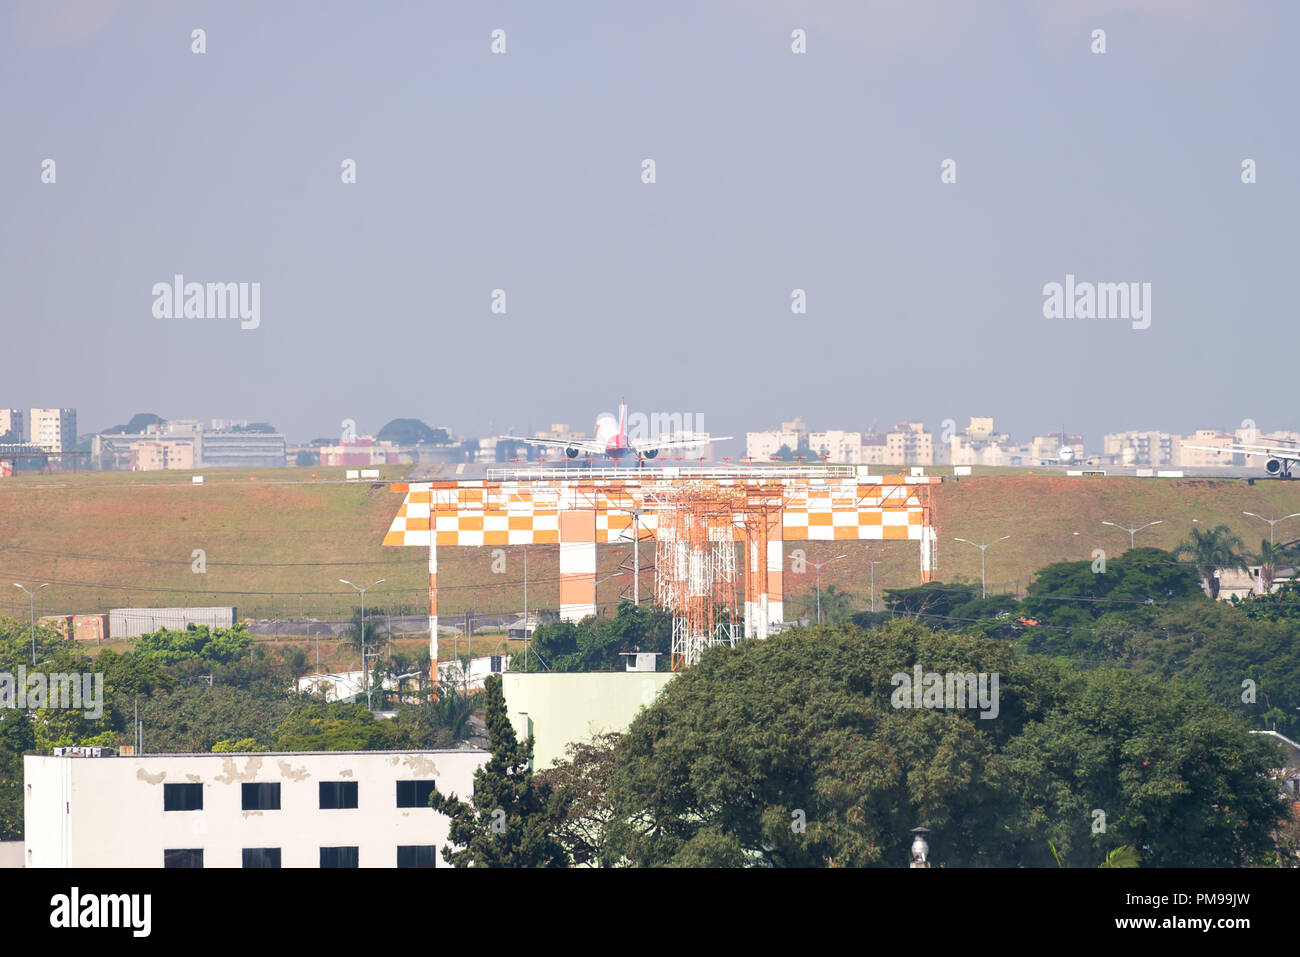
510 820
1209 551
791 752
214 645
410 432
139 422
16 739
337 726
580 796
1270 558
598 643
197 718
375 627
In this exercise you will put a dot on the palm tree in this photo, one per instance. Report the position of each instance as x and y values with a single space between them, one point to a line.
1211 550
1270 558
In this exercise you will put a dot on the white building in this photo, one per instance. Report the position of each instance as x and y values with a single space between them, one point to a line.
761 446
11 420
839 448
285 809
54 430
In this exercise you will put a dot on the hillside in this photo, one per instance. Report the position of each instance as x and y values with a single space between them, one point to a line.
276 546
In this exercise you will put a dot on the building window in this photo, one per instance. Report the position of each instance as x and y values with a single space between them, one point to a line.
337 794
338 857
261 797
414 793
261 857
182 797
417 855
183 857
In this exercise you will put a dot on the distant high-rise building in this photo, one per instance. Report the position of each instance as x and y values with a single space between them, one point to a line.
909 444
11 420
837 447
54 430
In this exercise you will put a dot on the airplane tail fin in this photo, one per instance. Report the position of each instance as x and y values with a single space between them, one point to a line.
622 418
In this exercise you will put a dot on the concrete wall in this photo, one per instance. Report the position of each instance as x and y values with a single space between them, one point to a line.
564 708
108 812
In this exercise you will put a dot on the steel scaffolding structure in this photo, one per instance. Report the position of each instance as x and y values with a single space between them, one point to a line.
696 575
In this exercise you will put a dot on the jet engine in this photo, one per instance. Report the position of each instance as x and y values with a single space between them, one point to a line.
571 453
650 453
1273 466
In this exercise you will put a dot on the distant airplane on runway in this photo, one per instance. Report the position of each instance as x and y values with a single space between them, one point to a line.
612 440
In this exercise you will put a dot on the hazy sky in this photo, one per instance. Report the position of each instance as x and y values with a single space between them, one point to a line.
775 172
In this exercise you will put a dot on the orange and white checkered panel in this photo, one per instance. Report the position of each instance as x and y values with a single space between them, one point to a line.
523 512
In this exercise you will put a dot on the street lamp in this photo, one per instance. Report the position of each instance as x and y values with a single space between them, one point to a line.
1132 531
365 678
818 566
920 847
983 548
1271 521
32 596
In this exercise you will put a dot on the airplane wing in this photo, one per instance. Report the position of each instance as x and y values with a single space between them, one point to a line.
591 448
1287 452
644 444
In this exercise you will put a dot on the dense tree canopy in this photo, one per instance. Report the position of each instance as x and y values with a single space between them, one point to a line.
791 752
412 432
598 644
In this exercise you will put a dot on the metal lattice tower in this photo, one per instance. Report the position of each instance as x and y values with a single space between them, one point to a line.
696 574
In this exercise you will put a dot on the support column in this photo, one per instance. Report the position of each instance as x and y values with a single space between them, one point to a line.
775 578
433 606
577 564
927 553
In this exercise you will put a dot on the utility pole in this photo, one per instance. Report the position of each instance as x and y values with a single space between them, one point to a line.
32 595
365 678
873 585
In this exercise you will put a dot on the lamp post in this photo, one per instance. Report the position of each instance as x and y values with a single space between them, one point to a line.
32 596
365 677
818 566
1271 522
1132 531
873 584
920 847
983 548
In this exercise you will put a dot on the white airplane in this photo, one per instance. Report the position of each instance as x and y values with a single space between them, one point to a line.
612 440
1064 454
1281 458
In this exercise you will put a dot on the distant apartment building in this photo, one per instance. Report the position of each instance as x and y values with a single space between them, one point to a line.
761 446
148 455
874 449
797 427
1145 449
241 449
53 430
12 420
837 447
559 432
980 429
1200 458
909 444
361 452
963 450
